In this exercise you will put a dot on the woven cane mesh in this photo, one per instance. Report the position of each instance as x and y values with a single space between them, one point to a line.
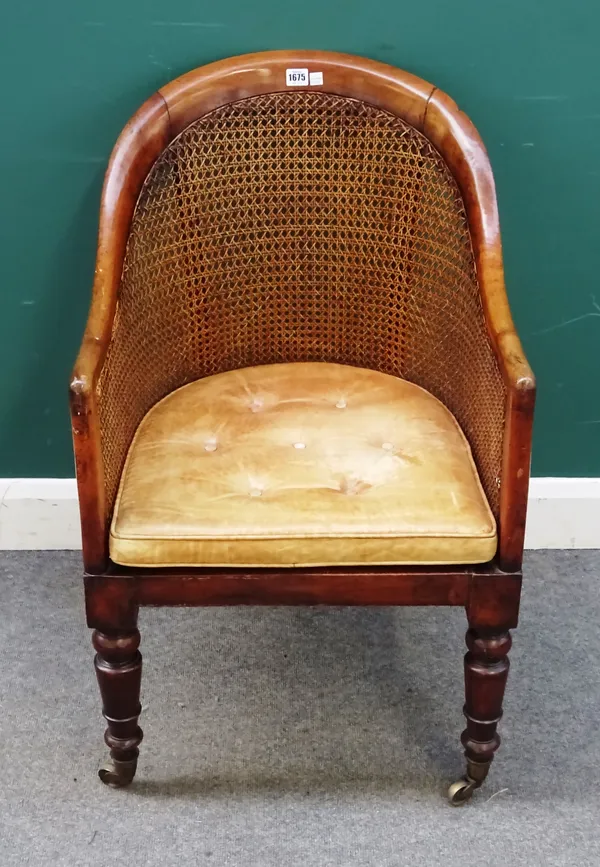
298 227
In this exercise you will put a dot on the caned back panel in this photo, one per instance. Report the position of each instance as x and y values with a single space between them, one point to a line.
301 226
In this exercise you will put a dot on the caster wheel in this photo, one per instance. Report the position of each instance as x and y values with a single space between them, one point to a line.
117 774
460 792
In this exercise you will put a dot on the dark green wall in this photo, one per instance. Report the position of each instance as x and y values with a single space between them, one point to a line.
526 71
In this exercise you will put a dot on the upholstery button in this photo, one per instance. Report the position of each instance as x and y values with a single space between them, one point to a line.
256 404
341 404
255 492
387 446
210 445
299 445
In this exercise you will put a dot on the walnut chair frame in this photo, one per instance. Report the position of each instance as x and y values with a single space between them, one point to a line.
489 593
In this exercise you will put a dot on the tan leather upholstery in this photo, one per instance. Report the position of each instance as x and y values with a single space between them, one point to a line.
300 465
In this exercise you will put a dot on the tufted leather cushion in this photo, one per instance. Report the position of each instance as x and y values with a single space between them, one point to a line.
300 465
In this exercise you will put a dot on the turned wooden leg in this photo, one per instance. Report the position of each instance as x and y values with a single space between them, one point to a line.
118 666
486 671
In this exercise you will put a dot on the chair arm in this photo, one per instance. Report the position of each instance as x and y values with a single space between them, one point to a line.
85 425
516 372
519 382
454 134
516 458
142 139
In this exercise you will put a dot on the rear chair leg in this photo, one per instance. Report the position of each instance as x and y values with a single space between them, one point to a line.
118 666
486 671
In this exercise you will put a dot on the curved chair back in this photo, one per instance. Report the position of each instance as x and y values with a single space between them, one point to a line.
346 216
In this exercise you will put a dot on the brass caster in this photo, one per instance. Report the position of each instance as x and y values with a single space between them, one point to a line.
460 792
117 775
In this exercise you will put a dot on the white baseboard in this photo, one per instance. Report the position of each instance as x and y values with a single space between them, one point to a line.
42 514
563 513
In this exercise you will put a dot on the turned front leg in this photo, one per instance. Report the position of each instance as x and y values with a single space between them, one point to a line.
486 671
118 665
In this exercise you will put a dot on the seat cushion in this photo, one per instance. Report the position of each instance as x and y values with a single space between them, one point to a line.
302 464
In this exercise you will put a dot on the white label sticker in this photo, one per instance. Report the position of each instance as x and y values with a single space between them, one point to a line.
316 78
296 77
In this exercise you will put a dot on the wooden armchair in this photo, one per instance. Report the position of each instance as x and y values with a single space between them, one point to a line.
300 382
